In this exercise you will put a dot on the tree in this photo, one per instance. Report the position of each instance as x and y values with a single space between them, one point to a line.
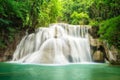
16 15
107 12
75 8
12 16
43 12
79 18
104 9
109 31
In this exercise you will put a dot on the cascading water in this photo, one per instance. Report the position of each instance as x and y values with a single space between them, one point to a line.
59 44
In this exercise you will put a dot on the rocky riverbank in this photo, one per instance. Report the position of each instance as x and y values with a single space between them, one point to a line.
100 50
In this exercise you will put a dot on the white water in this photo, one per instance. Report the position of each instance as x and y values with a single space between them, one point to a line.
58 44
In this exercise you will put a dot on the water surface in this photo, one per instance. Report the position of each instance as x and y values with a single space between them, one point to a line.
13 71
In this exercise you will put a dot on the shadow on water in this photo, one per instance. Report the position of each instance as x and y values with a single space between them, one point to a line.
12 71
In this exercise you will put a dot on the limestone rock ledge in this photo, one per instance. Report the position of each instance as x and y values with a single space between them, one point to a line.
100 50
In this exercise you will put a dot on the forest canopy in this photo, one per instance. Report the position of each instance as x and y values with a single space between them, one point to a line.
16 15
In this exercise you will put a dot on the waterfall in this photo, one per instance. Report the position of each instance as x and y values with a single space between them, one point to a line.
58 44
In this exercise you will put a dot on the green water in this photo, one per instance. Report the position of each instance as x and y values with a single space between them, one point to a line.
10 71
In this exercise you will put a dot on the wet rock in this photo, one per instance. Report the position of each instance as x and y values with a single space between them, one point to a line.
114 57
1 59
98 50
98 56
8 53
93 31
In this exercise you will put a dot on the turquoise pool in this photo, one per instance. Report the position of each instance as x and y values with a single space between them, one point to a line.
13 71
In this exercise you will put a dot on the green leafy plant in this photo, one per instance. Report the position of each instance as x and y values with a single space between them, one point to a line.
79 18
109 31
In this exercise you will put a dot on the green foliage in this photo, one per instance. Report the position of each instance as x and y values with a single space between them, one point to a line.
106 12
94 23
76 11
27 14
109 31
33 12
11 10
79 18
50 12
18 14
104 9
4 22
2 43
43 12
11 17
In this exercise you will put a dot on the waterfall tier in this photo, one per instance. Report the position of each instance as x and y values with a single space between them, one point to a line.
58 44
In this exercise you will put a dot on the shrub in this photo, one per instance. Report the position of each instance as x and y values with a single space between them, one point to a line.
110 31
79 18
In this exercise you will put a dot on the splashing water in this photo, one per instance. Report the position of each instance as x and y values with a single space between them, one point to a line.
59 44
